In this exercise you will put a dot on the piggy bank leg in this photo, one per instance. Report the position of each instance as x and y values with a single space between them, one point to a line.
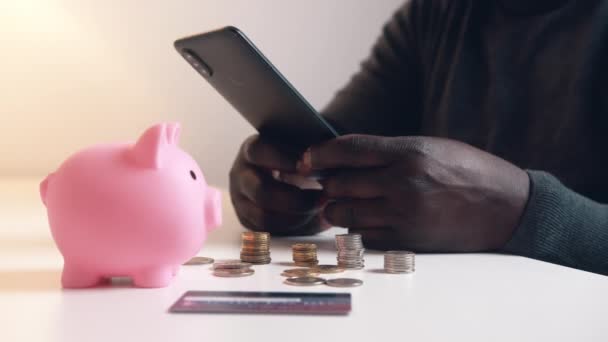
75 277
154 277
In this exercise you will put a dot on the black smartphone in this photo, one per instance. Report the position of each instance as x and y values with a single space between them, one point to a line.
232 64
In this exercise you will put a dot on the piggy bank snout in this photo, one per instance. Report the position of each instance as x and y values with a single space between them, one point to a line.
213 208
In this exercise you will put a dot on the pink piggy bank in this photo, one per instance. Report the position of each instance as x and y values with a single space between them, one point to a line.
137 210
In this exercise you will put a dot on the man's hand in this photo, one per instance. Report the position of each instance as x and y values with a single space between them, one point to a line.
419 193
263 203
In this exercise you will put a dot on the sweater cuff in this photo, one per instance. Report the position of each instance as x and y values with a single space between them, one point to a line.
561 226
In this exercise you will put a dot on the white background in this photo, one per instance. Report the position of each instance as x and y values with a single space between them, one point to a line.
76 73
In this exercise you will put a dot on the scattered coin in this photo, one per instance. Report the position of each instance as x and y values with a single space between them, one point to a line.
230 264
350 251
399 262
255 247
197 260
299 272
232 268
305 254
328 269
304 281
233 273
344 282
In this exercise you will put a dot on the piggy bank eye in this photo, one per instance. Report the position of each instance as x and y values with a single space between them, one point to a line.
192 174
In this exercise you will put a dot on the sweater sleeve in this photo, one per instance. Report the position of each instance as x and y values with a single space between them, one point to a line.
383 97
562 227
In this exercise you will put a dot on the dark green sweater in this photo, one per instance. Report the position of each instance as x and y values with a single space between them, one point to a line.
524 80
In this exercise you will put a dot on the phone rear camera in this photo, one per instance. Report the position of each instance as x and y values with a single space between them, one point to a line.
197 63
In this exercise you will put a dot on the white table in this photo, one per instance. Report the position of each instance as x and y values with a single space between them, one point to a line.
466 297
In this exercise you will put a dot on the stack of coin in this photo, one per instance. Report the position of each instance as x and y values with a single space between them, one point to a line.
305 254
399 262
232 268
350 251
255 247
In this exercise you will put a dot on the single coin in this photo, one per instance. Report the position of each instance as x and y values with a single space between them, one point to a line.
199 261
344 282
304 281
233 273
299 272
327 269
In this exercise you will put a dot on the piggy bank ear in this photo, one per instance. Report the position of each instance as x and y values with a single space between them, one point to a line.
173 130
152 148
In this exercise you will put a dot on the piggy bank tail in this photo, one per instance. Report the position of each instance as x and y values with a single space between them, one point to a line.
213 208
44 188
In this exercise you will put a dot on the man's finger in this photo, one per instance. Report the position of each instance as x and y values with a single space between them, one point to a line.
347 151
357 213
264 154
269 193
356 183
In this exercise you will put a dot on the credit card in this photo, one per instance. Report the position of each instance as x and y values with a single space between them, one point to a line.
263 303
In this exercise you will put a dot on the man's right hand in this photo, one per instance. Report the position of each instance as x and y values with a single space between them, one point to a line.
263 203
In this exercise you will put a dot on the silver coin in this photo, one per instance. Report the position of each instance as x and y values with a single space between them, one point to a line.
197 260
399 262
305 281
351 252
399 271
398 265
344 282
389 253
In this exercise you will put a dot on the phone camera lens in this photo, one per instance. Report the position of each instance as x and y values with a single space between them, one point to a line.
197 63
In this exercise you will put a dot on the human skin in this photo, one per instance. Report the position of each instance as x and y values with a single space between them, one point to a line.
420 193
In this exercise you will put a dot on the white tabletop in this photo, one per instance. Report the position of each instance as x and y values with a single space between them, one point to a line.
456 297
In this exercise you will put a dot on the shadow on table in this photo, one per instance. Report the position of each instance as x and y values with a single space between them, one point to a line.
49 280
30 280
